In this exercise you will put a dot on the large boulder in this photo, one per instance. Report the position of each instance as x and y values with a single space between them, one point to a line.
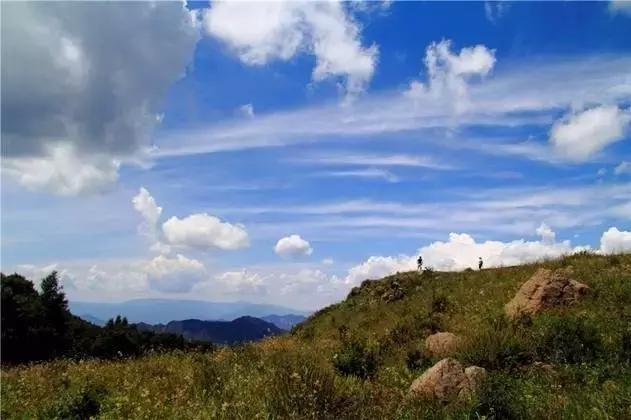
442 344
545 289
448 381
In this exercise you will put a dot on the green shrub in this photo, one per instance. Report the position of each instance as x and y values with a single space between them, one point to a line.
416 360
355 358
499 399
625 345
440 303
564 339
499 345
82 403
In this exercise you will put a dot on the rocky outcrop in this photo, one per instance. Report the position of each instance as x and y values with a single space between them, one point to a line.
448 381
442 344
393 293
545 289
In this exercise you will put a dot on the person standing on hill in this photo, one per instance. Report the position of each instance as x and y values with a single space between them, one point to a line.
480 263
419 263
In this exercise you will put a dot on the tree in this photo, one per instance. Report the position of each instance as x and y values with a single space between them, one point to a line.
56 311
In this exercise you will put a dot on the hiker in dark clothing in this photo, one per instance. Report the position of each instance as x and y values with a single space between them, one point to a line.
480 263
419 262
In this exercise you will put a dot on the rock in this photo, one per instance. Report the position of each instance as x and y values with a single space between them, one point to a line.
545 289
448 381
394 292
442 344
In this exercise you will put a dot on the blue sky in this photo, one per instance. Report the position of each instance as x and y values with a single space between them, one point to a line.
285 152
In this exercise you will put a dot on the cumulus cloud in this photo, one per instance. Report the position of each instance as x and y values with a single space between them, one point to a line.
121 280
462 251
377 266
614 241
241 282
78 97
292 246
308 281
547 235
203 231
580 135
174 275
449 72
259 32
62 171
146 205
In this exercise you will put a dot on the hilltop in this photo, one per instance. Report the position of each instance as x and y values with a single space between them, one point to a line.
358 358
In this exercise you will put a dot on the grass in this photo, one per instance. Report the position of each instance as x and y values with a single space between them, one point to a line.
356 359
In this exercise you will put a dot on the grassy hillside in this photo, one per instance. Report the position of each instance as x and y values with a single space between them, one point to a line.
356 359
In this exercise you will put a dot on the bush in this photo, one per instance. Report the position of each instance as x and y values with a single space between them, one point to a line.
499 399
84 403
416 360
356 359
440 304
501 345
625 345
567 340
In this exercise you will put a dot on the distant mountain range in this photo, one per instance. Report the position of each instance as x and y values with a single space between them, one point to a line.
243 329
284 322
162 311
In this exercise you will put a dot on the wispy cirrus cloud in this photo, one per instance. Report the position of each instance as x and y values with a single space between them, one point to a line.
504 99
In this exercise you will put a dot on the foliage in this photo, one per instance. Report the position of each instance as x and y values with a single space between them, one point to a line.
356 358
564 339
39 326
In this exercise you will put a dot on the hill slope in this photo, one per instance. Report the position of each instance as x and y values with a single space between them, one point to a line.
357 358
243 329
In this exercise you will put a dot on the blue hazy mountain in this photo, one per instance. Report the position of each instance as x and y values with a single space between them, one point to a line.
242 329
284 322
162 311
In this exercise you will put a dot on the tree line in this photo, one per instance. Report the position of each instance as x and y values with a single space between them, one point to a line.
37 325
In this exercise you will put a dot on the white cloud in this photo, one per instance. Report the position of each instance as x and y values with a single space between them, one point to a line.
613 241
620 6
61 170
131 279
247 110
547 234
292 246
623 168
308 281
580 135
328 261
174 275
369 173
448 73
377 266
239 282
77 97
461 251
146 205
203 231
495 10
504 100
259 32
353 159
